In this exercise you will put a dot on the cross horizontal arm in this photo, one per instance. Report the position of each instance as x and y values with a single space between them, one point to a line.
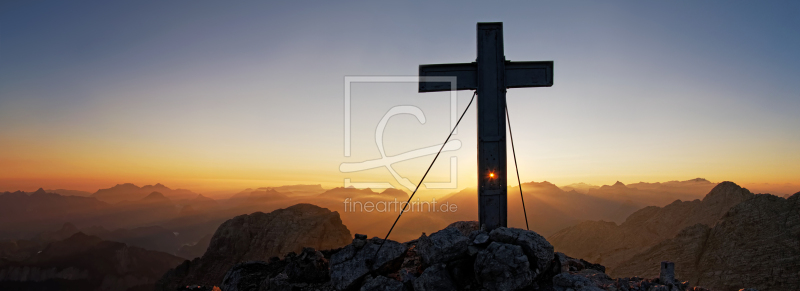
518 75
465 74
529 74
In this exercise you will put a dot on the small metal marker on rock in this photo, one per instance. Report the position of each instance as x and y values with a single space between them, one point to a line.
667 273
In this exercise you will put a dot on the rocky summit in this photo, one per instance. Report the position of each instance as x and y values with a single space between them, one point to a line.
259 237
458 257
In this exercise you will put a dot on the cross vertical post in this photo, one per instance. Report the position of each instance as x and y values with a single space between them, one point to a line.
492 199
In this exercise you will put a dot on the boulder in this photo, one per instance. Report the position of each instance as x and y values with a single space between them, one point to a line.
411 267
277 283
597 278
310 266
479 238
596 267
568 281
536 248
381 283
503 267
465 227
434 278
351 264
247 276
568 264
462 272
442 246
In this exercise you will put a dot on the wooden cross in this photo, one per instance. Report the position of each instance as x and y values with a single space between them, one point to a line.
490 75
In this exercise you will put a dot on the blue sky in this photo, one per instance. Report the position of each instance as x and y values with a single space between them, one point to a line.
212 94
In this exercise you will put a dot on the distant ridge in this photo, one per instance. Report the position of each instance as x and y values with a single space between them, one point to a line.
86 262
131 192
658 193
610 244
753 245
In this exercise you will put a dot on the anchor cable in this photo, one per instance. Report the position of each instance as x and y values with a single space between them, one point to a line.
514 152
423 177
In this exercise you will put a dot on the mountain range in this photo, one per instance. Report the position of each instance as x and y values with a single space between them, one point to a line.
610 244
83 262
131 192
754 244
727 233
730 240
194 216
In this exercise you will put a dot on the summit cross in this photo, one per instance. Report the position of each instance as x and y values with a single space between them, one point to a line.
490 76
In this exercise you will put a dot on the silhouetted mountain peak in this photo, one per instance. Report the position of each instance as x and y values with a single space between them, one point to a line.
544 184
131 192
200 197
156 187
727 191
68 228
267 193
541 186
81 237
392 192
15 195
347 192
92 264
618 184
260 236
76 243
155 197
39 192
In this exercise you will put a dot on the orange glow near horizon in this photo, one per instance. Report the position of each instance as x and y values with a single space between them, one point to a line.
27 164
89 166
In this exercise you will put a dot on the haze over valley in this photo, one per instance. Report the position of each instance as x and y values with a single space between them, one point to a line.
580 220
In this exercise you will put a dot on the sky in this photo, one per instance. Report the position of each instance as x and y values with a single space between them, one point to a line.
213 95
